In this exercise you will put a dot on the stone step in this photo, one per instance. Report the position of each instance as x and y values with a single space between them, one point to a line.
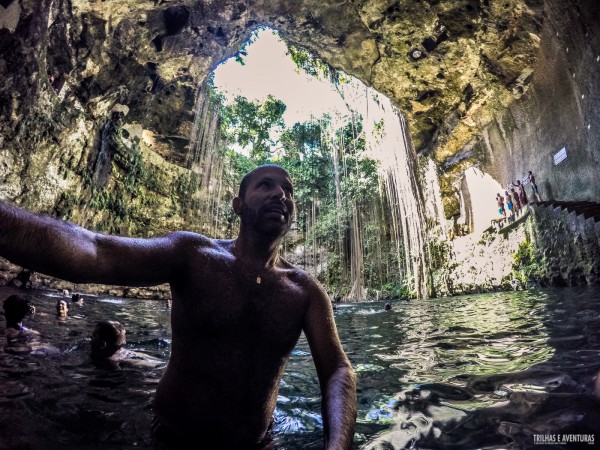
559 203
585 209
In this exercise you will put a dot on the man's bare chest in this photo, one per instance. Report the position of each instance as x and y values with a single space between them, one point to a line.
233 303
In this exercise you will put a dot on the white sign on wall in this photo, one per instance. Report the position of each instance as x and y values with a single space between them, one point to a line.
560 156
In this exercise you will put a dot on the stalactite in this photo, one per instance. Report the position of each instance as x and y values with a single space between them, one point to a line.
399 174
205 163
109 141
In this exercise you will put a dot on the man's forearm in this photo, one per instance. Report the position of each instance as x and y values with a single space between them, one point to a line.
42 243
339 409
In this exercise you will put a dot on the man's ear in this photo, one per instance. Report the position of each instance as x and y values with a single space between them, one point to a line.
237 205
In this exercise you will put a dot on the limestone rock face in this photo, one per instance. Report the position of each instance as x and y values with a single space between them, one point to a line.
567 248
451 66
498 85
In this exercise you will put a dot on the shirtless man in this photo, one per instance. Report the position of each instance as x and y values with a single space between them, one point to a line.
534 188
108 352
238 311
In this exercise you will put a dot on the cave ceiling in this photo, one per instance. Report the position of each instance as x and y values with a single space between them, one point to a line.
450 66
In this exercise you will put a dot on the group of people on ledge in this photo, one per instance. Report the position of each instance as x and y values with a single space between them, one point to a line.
515 197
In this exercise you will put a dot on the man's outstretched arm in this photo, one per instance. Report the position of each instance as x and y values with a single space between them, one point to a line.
336 377
63 250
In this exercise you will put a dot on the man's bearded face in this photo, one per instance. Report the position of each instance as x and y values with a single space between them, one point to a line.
268 205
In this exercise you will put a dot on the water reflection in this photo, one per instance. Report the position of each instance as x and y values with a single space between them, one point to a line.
486 371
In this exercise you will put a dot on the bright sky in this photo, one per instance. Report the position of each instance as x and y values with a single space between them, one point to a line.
269 70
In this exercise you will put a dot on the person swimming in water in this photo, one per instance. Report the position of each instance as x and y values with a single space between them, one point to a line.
77 299
107 348
62 309
107 340
16 308
238 309
20 339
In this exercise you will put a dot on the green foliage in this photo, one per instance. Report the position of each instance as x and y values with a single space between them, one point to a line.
309 164
314 66
525 265
305 61
65 204
396 291
439 254
132 163
239 57
181 186
249 124
337 186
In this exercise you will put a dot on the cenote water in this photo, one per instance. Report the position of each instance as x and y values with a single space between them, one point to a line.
481 371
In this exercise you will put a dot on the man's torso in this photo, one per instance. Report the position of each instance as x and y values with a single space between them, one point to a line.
234 327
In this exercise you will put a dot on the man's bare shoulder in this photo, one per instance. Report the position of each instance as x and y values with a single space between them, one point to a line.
191 240
188 238
304 280
195 248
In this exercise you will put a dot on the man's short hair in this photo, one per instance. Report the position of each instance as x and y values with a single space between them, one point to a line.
246 180
16 308
112 333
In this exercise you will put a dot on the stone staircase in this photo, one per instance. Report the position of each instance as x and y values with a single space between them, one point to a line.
579 210
567 237
587 210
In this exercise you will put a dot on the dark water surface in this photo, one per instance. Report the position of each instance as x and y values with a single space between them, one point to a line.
485 371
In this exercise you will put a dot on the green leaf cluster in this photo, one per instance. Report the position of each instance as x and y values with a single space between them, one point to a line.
525 265
250 124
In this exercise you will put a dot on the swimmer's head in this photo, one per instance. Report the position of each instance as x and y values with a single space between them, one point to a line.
15 310
62 308
107 338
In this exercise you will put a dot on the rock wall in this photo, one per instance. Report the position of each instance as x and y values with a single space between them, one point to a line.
561 109
481 263
452 67
498 85
558 110
448 65
567 248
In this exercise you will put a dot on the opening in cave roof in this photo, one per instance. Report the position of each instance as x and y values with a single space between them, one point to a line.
265 67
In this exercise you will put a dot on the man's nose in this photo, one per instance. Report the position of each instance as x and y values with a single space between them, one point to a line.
278 192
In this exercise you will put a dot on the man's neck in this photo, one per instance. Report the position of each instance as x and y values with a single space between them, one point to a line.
257 249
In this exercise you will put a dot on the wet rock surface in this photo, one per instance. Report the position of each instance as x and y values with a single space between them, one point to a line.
477 80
